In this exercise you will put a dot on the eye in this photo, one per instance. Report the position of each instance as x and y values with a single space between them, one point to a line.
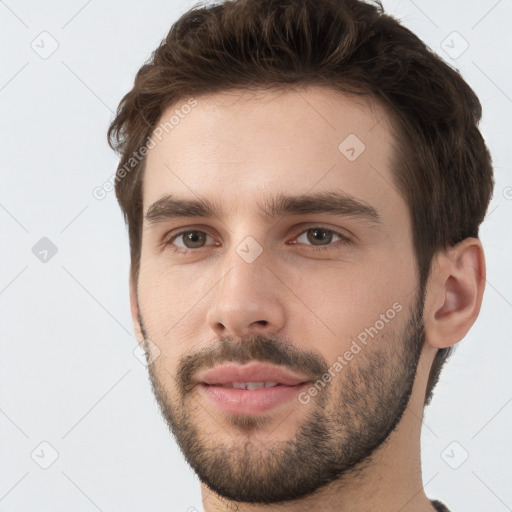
192 239
321 238
317 237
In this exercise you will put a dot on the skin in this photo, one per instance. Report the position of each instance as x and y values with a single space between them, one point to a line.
237 149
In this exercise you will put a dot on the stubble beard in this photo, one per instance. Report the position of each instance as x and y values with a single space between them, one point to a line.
346 422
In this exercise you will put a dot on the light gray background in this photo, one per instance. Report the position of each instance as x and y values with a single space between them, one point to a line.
68 374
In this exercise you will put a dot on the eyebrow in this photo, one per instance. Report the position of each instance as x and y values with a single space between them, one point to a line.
341 204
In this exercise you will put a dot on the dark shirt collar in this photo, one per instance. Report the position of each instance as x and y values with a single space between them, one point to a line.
439 506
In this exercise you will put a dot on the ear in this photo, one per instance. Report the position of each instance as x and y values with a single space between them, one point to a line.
134 308
454 293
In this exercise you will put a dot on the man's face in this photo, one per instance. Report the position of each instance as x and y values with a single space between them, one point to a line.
326 290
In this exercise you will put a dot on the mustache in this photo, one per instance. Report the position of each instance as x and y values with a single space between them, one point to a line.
262 348
258 347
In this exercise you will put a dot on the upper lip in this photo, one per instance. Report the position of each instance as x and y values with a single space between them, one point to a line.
253 372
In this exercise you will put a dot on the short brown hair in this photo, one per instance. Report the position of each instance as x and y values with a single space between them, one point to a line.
442 165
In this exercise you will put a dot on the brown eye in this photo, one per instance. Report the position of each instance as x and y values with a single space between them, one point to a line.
190 239
323 236
320 236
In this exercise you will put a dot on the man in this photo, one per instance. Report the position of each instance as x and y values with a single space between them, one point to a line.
303 182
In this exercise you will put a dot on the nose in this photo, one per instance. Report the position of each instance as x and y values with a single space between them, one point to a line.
247 300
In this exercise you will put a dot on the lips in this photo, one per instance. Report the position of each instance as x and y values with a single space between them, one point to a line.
251 389
261 375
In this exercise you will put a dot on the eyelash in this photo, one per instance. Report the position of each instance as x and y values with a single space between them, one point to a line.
180 250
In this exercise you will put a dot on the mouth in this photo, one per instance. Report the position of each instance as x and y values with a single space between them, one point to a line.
255 375
248 385
250 400
250 389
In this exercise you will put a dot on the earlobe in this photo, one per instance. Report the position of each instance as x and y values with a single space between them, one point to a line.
134 308
454 293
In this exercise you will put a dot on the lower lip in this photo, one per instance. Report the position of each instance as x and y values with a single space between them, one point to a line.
250 401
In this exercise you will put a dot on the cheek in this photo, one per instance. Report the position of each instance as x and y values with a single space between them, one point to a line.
172 301
347 304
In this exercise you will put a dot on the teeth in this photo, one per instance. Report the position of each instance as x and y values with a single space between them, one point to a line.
252 385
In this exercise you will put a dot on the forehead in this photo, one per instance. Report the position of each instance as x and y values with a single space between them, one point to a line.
237 147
